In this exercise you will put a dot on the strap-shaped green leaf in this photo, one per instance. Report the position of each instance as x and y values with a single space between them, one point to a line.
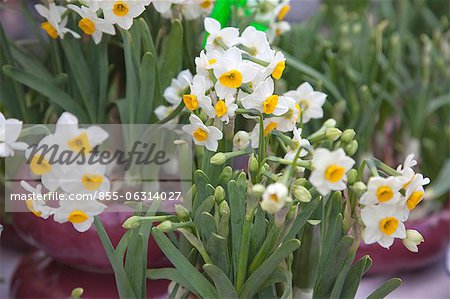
354 277
171 61
223 285
173 275
387 288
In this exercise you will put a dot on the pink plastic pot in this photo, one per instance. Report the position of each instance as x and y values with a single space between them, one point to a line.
37 276
435 229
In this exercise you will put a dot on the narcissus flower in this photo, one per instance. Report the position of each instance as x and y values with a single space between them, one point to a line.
203 135
384 223
218 38
174 93
277 29
122 12
241 140
231 72
196 98
85 179
274 198
412 240
55 26
277 64
255 42
224 109
36 206
298 142
289 120
205 62
78 212
414 191
310 101
269 126
330 170
194 9
9 133
383 191
263 99
91 24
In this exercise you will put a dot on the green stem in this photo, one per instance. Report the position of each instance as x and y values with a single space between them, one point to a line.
244 250
301 163
386 168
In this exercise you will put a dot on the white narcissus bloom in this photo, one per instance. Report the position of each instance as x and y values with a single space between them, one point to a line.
55 26
274 198
413 238
122 12
282 10
231 72
384 223
162 112
299 142
85 179
330 170
256 42
205 62
241 140
174 93
78 212
224 109
9 132
193 9
218 37
383 191
263 99
197 98
310 101
415 191
164 6
288 121
36 206
406 169
203 135
277 29
277 64
91 24
269 126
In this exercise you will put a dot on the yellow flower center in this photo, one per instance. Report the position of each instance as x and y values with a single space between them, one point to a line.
190 101
77 216
231 79
39 165
384 193
87 26
389 225
221 108
205 4
334 173
414 199
304 104
269 128
51 31
274 197
30 207
200 134
212 61
91 181
270 104
80 143
120 9
279 69
283 12
297 106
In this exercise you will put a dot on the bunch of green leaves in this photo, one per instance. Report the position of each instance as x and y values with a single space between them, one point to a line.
385 68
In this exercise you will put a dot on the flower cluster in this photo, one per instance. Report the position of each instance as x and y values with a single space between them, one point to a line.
9 133
387 203
99 17
81 178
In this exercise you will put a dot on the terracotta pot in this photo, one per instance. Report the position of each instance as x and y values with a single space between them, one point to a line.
435 229
82 250
38 276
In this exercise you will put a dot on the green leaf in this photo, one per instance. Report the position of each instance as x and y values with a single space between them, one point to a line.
134 260
54 94
171 61
440 185
147 40
354 277
203 287
206 225
146 95
255 282
103 81
205 206
307 209
196 243
217 247
223 285
387 288
173 275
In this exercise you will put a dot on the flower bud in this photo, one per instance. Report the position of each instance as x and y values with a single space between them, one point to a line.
351 148
352 175
76 293
218 159
329 123
224 208
258 190
253 165
219 194
348 135
301 193
300 182
333 134
226 175
182 212
359 188
132 222
165 226
241 140
413 238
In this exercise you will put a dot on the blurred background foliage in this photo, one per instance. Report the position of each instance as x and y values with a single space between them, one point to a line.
386 67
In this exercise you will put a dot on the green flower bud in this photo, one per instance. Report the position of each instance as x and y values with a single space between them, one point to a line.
218 159
165 226
226 175
301 193
300 182
352 176
132 222
351 148
224 208
329 123
253 165
348 135
359 188
258 190
333 134
76 293
182 212
219 194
